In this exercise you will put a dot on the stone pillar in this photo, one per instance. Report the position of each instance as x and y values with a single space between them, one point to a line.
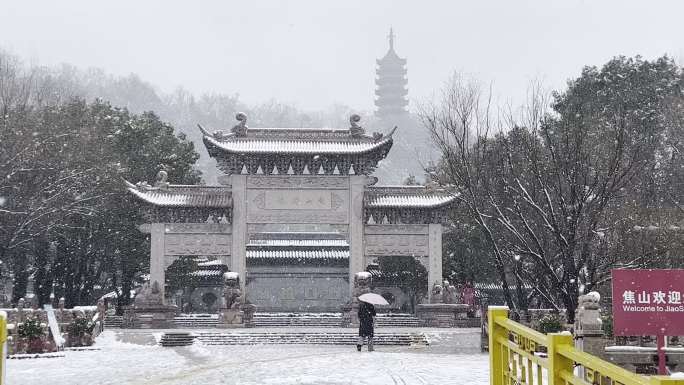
588 327
157 273
357 184
238 259
435 256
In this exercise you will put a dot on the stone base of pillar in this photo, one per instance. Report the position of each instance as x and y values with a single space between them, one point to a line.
237 318
441 315
157 317
248 311
231 318
588 328
594 344
350 314
350 310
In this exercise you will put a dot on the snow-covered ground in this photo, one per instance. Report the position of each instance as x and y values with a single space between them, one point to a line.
139 361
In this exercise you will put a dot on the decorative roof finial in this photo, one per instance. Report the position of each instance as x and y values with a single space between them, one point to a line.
391 38
240 129
355 130
162 176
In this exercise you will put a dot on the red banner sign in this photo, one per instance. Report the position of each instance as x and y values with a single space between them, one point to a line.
648 302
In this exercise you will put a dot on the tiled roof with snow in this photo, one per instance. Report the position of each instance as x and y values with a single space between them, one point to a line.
298 254
182 195
297 142
207 273
300 246
213 262
299 242
391 58
299 151
406 197
289 235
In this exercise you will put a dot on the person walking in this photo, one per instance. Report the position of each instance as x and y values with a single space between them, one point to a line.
366 314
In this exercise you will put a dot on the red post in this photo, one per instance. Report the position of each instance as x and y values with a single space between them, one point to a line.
662 369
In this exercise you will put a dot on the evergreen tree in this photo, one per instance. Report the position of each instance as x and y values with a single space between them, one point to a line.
69 221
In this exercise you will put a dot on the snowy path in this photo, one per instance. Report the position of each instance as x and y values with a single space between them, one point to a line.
138 364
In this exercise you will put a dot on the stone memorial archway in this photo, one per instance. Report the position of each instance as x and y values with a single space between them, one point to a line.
294 182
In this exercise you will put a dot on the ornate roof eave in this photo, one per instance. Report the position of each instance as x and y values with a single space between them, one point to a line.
298 151
391 81
406 204
391 92
168 203
390 58
172 195
269 147
407 197
384 108
391 73
337 258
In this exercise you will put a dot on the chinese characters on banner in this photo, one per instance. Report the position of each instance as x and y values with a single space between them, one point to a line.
648 302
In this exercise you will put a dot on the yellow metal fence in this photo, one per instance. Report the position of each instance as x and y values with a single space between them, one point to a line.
520 355
3 346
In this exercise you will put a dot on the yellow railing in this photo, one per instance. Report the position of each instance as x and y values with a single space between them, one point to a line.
3 346
519 355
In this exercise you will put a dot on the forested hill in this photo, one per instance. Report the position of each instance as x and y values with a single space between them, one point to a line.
24 84
67 139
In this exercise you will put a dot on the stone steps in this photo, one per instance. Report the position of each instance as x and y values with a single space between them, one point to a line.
170 339
113 321
332 324
298 321
271 320
209 321
196 321
395 320
333 338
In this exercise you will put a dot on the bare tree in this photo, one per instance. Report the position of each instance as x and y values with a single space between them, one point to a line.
545 188
460 124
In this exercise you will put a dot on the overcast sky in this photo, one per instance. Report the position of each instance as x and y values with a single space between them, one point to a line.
316 53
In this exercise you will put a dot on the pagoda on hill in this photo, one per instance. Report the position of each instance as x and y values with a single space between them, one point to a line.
391 84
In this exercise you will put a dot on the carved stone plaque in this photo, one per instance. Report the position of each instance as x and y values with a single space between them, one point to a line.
390 244
300 216
197 244
197 228
297 182
298 206
254 228
395 229
298 200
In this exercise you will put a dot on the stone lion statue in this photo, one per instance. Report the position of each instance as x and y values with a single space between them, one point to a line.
362 283
437 293
355 129
161 179
240 129
588 315
589 301
232 294
449 293
149 295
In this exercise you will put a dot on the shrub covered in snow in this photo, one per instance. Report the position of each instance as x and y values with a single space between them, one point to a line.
30 329
81 325
607 325
550 323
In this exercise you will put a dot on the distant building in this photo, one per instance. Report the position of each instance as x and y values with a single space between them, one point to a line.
413 148
391 84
